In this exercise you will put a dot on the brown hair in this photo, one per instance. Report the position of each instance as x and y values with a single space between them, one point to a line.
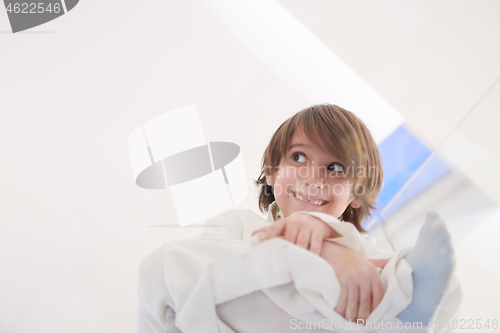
340 133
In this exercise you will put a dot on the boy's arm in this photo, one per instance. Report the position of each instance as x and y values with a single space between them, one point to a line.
232 225
309 229
361 287
346 234
226 226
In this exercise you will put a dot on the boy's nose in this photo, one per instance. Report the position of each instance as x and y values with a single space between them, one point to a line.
315 184
314 179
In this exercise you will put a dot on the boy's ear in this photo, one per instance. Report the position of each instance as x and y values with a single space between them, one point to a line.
270 180
271 176
355 203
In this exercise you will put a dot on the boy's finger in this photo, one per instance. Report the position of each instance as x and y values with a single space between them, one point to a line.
377 291
303 238
352 303
342 302
316 242
258 230
380 262
365 301
291 233
275 230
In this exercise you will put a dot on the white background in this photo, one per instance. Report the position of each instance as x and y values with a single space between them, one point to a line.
73 225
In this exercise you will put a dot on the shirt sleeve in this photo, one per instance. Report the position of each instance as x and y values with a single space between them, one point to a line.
350 236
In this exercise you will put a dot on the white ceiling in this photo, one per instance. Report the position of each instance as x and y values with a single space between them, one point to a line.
432 60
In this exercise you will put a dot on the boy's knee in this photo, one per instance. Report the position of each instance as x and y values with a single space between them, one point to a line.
153 293
151 276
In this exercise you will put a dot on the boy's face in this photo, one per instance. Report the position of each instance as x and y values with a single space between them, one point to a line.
313 174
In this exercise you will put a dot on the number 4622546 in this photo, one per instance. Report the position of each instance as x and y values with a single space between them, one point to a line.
33 8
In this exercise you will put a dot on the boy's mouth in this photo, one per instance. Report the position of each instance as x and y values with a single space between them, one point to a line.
314 202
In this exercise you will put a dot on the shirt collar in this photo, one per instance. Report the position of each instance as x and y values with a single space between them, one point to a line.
274 212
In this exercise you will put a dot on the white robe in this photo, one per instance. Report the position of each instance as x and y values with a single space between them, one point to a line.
224 271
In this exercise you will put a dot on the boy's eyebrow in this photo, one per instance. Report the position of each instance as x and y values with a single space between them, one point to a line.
304 145
298 145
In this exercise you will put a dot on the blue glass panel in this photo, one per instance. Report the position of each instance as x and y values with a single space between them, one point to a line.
402 155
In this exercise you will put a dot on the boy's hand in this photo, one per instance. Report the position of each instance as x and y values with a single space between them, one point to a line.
380 262
361 289
304 230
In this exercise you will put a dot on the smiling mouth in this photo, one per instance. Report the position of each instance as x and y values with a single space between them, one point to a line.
314 202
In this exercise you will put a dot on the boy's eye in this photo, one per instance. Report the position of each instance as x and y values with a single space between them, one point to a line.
334 167
295 155
337 167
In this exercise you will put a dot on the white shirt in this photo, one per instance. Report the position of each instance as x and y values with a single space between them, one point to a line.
224 263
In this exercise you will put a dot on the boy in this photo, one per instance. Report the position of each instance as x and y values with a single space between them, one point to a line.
312 180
